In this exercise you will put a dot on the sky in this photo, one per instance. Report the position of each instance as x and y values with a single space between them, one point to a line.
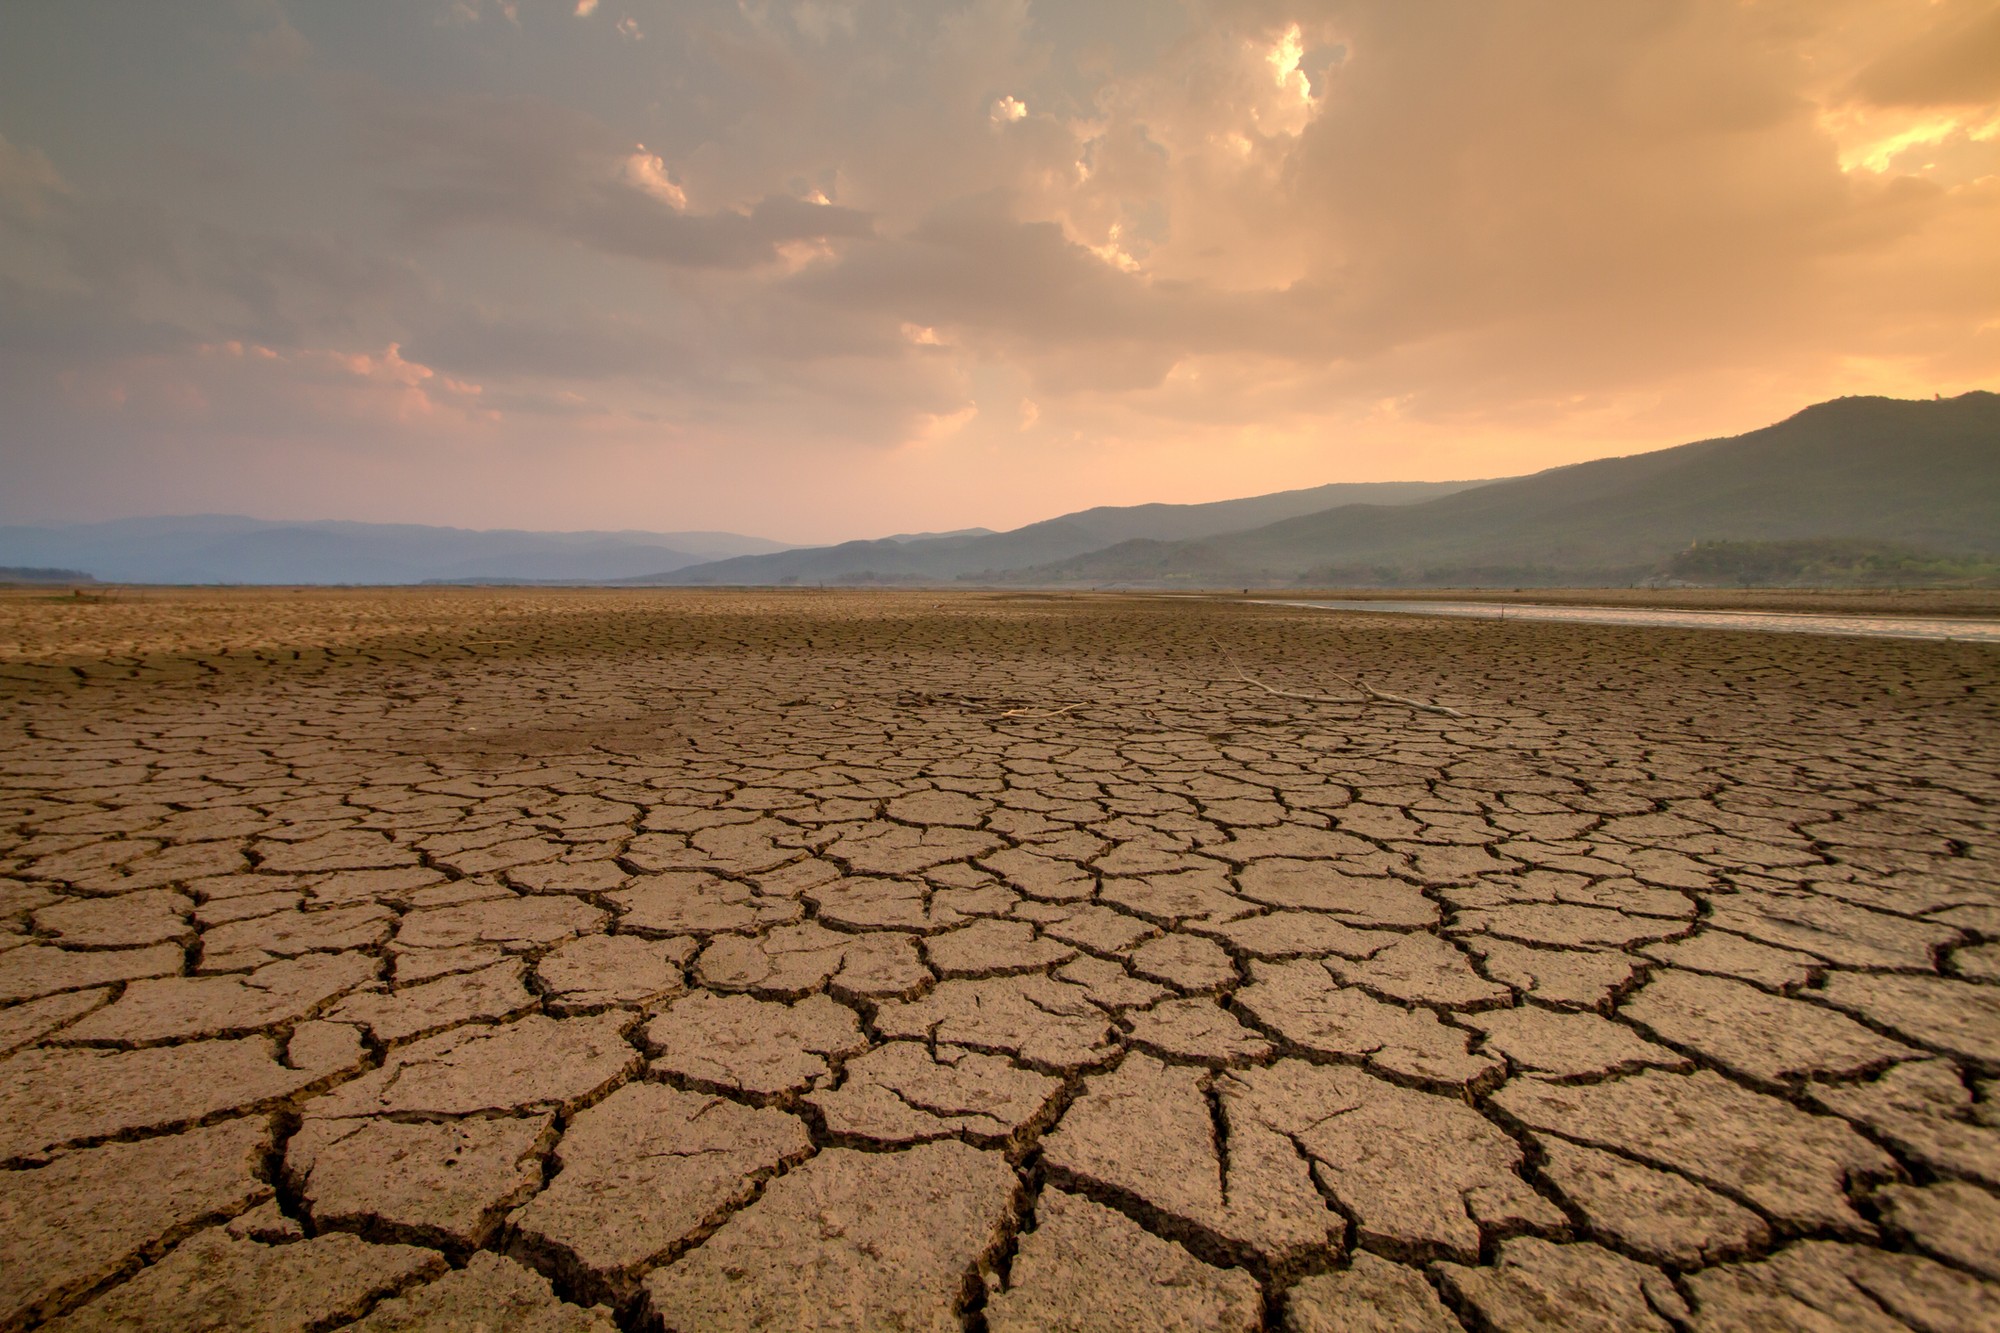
837 268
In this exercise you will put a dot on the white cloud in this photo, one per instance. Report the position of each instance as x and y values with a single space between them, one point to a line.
646 173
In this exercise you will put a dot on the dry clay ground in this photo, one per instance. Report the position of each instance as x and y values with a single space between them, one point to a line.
565 961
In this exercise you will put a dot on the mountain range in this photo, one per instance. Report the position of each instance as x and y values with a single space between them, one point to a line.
994 555
1876 481
1923 475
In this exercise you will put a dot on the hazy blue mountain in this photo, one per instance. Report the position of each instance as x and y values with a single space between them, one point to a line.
42 574
954 555
1923 475
221 548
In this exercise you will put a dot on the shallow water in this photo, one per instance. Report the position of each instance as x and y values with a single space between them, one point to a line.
1879 627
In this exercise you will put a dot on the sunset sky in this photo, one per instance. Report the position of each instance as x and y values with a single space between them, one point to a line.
839 268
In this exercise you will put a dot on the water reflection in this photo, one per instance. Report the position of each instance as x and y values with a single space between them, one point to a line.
1881 627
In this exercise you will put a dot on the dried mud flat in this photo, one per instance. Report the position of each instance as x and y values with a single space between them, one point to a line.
570 961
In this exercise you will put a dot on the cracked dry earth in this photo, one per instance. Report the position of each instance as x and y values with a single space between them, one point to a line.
578 961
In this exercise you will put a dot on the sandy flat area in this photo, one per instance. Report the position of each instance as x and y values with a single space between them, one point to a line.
577 960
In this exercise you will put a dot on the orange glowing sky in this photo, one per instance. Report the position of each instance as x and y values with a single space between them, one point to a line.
837 268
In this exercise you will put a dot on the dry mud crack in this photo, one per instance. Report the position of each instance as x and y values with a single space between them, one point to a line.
593 961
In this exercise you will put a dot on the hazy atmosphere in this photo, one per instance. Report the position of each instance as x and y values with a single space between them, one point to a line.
825 270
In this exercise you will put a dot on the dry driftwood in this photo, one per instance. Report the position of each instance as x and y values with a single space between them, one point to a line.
1369 694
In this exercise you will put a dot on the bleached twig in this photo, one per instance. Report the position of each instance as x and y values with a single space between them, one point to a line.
1381 696
1369 694
1249 679
1031 712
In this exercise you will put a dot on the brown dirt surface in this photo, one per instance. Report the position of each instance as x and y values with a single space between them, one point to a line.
660 959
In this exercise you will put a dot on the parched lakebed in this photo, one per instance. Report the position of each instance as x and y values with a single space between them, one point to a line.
574 960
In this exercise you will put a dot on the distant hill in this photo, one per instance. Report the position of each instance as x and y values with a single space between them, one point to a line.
39 574
1921 475
952 556
221 548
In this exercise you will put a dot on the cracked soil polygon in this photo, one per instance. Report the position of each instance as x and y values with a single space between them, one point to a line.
606 971
444 1183
214 1282
1757 1035
1047 1024
1305 1005
489 1294
763 1048
1537 1285
76 1223
533 1064
1793 1165
1163 1138
646 1169
1088 1269
1370 1295
908 1092
848 1241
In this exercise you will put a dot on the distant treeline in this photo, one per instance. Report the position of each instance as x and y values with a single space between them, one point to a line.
1827 562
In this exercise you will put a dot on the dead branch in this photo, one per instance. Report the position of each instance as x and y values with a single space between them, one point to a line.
1031 712
1369 694
1374 695
1249 679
